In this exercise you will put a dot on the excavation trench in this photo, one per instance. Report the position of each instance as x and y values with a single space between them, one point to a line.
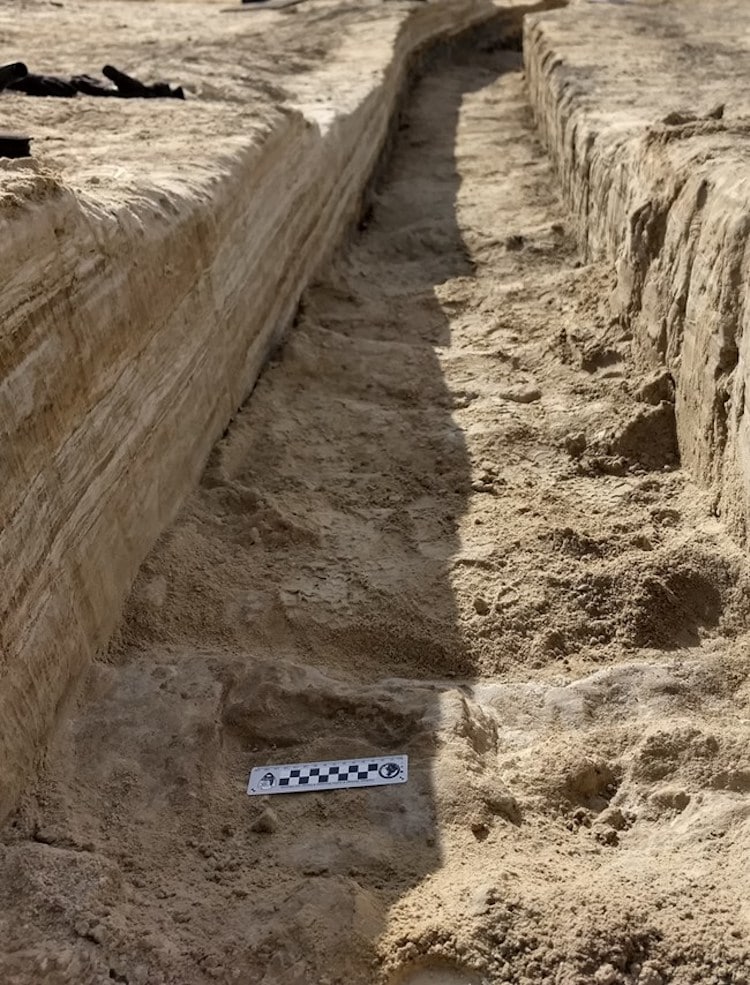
168 271
450 522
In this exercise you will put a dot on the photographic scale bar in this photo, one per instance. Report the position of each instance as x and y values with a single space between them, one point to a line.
336 774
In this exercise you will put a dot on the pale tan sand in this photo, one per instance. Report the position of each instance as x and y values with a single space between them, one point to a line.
450 521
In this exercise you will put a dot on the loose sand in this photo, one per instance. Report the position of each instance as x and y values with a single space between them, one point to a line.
450 522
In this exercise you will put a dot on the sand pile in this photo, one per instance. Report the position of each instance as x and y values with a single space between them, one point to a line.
449 522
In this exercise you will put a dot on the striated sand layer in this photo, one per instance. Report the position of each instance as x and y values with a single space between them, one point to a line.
464 515
450 521
151 255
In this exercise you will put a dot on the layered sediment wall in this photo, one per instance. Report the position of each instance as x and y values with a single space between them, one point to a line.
654 166
132 331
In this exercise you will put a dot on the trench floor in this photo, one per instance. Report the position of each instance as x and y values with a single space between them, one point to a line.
450 522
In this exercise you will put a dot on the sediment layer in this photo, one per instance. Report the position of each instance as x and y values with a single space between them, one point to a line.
137 311
653 161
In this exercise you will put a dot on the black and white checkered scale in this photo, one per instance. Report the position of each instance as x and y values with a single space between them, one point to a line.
319 775
376 771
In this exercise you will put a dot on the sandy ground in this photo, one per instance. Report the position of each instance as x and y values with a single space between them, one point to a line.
450 522
240 71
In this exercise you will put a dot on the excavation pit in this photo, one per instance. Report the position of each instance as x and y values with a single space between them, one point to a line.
385 398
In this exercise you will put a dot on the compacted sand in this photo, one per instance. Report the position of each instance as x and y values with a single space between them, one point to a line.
449 522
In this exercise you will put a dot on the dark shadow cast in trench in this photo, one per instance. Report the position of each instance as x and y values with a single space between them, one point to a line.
299 608
378 482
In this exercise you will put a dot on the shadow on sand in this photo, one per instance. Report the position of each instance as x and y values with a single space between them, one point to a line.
299 608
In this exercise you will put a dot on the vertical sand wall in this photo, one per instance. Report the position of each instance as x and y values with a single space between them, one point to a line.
669 204
129 337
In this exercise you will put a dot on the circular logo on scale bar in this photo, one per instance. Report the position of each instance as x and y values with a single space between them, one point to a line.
389 770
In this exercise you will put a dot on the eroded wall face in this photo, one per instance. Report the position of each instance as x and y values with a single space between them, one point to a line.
127 348
666 195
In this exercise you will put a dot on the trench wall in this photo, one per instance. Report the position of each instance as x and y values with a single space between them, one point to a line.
129 335
623 97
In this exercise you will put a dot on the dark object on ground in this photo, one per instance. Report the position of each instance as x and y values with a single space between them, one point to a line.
15 77
131 88
248 5
12 73
14 145
44 85
678 118
90 86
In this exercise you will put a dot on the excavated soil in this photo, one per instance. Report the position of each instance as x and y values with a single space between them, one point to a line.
449 522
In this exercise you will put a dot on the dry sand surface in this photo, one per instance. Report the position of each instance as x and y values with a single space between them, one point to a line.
236 70
449 522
